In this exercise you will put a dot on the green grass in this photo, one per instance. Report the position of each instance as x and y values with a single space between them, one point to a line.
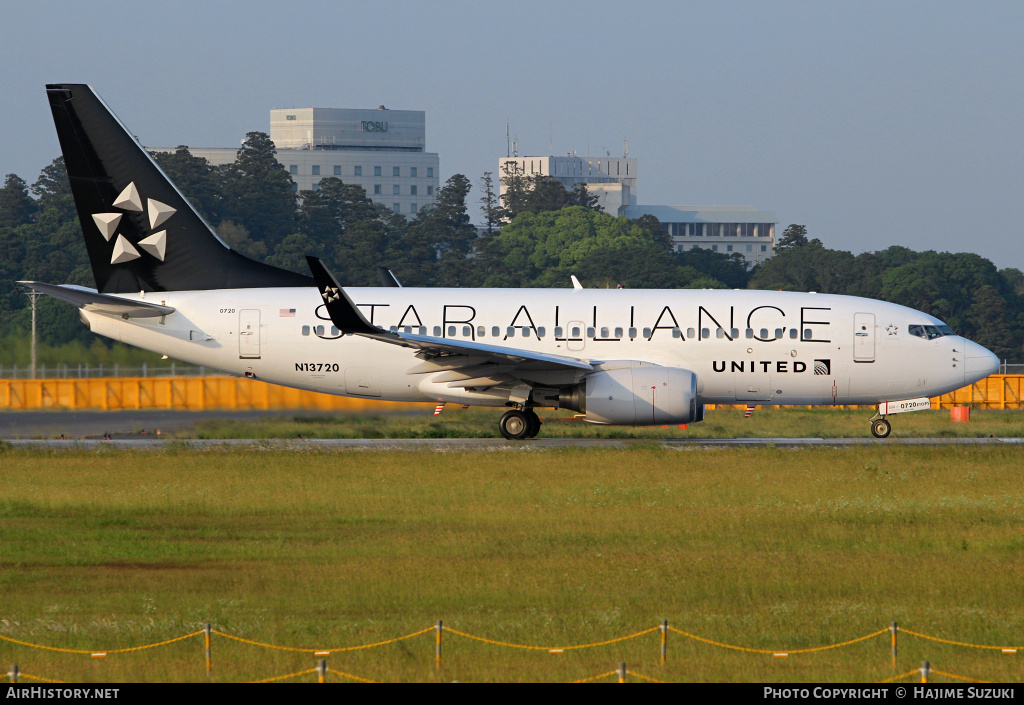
767 422
767 548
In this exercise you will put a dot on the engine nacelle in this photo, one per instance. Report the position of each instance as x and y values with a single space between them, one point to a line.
646 395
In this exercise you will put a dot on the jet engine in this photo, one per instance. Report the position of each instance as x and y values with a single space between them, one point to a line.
645 395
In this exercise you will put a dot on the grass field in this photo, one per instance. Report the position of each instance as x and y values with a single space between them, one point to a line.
767 422
765 548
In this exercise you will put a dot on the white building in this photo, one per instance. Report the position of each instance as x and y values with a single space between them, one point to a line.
725 229
382 150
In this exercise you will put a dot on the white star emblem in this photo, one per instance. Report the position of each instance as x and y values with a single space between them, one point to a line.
330 294
155 243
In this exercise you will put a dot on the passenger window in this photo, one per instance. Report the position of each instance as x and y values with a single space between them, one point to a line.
605 332
407 329
525 330
690 332
591 332
481 331
676 333
510 333
764 333
807 334
575 332
393 329
750 333
618 332
735 333
467 331
305 330
632 332
319 330
647 332
778 333
719 333
558 331
495 332
792 334
437 331
335 331
423 330
451 331
540 332
705 333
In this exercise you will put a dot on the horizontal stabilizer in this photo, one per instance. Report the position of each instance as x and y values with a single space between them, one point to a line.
90 300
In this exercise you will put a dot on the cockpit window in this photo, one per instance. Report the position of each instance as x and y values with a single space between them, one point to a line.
930 332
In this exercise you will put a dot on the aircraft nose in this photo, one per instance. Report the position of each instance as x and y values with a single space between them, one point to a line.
980 363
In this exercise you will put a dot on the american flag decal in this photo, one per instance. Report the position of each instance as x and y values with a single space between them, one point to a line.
437 409
287 312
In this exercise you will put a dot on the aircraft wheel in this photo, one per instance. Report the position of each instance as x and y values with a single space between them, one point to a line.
534 421
880 428
514 425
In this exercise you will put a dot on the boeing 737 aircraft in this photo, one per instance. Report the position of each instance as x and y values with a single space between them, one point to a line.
166 283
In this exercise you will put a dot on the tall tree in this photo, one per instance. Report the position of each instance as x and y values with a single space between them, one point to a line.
793 236
258 192
491 207
16 206
195 178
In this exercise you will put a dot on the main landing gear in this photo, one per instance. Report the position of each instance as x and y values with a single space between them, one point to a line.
517 424
880 428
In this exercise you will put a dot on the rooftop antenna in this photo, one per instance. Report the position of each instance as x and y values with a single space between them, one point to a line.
551 139
508 147
515 146
625 148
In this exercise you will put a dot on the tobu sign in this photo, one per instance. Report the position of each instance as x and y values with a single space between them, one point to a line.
372 126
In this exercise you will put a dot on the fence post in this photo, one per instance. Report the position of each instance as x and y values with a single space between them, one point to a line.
664 641
926 668
14 673
894 628
622 672
209 655
321 671
437 656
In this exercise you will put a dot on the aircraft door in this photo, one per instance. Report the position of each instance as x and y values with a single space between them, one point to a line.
249 333
575 335
863 337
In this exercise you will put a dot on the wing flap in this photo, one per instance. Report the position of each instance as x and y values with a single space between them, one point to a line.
91 300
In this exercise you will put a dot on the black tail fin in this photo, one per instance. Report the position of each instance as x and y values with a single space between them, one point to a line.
140 232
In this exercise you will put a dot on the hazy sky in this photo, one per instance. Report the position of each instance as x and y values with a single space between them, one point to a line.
872 123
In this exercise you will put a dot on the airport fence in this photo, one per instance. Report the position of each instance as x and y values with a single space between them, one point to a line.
65 371
440 635
201 393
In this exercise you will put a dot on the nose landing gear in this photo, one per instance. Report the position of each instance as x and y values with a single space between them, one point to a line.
880 428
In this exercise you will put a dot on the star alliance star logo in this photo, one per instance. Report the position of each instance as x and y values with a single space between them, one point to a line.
129 200
330 294
892 329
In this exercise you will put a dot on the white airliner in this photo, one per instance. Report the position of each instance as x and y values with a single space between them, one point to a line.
166 283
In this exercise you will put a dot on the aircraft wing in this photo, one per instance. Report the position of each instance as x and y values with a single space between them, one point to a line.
466 363
91 300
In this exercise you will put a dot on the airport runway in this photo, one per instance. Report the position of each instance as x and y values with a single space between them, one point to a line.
499 444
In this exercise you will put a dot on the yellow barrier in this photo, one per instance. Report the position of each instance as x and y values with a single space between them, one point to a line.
237 393
182 393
